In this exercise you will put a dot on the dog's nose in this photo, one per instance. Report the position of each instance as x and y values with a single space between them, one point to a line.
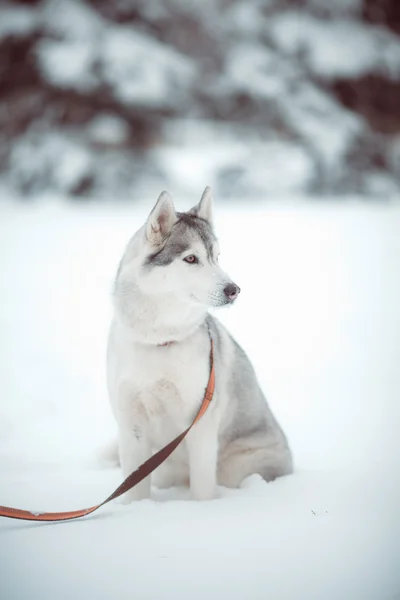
231 291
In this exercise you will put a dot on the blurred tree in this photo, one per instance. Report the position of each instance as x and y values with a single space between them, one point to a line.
256 97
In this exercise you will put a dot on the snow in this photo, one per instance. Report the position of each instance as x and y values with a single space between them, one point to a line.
139 69
337 48
262 167
319 317
266 74
68 64
327 130
266 67
340 7
67 55
73 20
108 129
231 160
60 160
142 71
16 20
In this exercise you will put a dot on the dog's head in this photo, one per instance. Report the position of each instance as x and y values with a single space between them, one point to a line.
177 254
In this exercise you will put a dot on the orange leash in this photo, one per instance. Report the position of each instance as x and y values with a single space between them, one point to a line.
133 479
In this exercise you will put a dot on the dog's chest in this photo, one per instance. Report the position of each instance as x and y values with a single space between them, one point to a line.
166 386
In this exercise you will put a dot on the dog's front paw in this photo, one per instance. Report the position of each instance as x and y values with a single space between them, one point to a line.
134 495
201 494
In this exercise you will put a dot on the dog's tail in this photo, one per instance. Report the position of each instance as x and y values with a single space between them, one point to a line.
108 455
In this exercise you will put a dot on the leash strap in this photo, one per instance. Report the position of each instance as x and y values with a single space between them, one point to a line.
133 479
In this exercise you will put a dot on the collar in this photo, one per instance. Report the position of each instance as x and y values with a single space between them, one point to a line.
170 342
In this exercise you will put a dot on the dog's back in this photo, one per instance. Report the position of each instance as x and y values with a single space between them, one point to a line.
250 438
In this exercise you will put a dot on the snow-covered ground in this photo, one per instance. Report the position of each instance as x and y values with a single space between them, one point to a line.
319 314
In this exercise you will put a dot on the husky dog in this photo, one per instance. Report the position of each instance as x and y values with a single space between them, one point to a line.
158 362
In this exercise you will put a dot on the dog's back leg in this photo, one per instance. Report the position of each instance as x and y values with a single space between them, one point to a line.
247 456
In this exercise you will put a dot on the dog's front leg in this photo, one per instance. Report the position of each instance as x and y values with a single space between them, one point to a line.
202 444
134 449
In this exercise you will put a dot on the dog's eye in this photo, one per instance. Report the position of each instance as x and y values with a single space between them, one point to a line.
191 259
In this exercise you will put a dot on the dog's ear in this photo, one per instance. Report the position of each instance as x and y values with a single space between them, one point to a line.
204 208
161 220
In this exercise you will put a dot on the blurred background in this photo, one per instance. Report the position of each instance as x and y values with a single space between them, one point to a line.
258 98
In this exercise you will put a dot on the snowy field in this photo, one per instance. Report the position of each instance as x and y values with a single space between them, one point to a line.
319 314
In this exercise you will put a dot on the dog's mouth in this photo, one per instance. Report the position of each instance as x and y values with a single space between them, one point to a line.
212 301
217 299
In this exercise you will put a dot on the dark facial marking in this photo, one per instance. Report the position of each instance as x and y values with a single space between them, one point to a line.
202 228
167 254
176 244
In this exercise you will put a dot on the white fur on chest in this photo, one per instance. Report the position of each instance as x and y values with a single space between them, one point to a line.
158 388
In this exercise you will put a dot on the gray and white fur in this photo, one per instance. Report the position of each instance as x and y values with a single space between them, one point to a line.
158 362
